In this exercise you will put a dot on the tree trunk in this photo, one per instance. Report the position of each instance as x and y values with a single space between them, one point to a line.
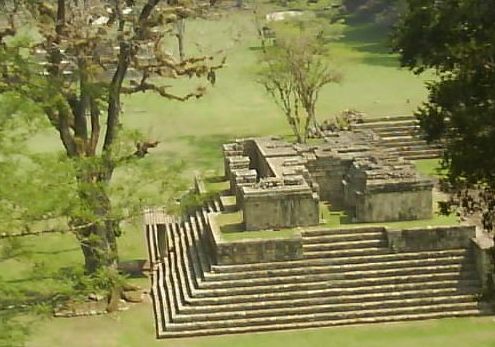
98 240
181 28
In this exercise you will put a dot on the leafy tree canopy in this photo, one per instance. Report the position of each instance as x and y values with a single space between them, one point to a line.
455 38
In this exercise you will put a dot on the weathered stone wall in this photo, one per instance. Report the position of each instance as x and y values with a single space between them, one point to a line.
252 251
483 247
278 209
328 172
393 206
430 239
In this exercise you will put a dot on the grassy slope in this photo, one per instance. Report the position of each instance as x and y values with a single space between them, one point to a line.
193 132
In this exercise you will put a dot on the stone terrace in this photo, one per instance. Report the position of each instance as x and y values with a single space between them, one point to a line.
346 276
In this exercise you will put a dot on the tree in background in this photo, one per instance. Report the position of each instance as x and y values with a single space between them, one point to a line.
294 71
71 63
455 39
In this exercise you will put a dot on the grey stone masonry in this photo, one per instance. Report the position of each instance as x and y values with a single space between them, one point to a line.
377 189
430 239
279 185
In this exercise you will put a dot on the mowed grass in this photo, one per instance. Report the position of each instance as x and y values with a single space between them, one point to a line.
135 327
430 167
237 106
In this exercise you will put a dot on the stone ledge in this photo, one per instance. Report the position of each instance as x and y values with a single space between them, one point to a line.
252 250
430 238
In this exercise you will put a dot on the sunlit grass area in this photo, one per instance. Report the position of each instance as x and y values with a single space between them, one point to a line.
430 167
136 328
232 229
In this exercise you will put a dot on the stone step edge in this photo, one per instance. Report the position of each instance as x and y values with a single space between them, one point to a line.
330 276
347 259
346 283
326 316
267 313
309 239
317 301
309 293
321 324
213 276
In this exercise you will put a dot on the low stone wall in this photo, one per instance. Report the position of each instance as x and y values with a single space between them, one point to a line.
394 206
483 246
431 238
251 251
284 208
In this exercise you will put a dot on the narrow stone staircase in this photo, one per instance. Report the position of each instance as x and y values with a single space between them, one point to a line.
346 277
401 136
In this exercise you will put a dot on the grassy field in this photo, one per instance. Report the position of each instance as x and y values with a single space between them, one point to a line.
135 328
237 105
193 132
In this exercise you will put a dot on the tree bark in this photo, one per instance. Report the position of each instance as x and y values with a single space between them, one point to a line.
181 28
98 241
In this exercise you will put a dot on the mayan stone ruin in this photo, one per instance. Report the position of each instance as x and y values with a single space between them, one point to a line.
279 185
210 276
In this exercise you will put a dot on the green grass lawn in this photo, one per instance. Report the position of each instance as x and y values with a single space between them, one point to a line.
193 132
430 167
136 328
232 229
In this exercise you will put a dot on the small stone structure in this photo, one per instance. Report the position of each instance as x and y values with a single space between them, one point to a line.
272 185
279 185
251 251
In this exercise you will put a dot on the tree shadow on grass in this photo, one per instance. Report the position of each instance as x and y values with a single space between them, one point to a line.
373 40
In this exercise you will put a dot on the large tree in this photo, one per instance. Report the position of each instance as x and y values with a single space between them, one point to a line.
455 38
74 67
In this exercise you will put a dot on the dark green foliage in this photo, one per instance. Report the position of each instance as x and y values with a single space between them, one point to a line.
456 39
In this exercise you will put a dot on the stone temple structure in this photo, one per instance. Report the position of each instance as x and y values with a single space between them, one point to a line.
204 283
279 185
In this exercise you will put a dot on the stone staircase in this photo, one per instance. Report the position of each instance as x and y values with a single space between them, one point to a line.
346 277
401 136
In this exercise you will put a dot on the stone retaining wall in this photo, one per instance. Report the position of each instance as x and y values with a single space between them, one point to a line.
430 238
251 251
483 247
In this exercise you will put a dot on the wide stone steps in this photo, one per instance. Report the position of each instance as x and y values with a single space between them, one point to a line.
334 281
331 297
388 119
309 268
397 131
402 136
343 245
428 307
347 277
406 141
327 323
343 237
461 285
406 122
367 259
330 276
417 147
290 310
336 232
412 152
345 252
